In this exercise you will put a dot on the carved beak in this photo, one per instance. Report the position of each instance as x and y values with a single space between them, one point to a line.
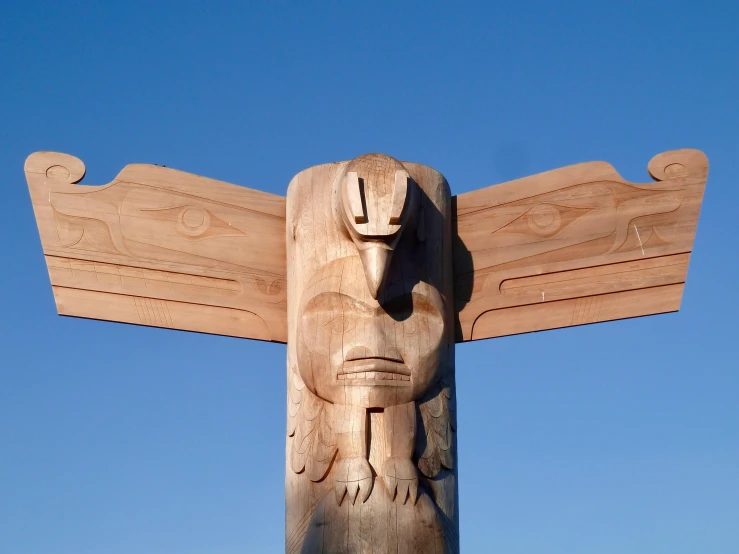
375 212
376 258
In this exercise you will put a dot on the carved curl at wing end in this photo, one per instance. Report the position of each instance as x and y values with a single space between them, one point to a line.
55 166
674 164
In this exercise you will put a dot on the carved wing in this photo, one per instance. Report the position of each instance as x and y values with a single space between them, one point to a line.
310 428
435 438
575 245
162 247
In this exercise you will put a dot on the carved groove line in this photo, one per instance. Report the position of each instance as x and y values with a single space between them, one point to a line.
579 310
623 273
202 199
82 270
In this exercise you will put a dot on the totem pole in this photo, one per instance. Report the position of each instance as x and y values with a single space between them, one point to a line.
370 271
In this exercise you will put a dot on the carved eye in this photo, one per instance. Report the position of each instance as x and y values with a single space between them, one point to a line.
544 219
340 325
193 221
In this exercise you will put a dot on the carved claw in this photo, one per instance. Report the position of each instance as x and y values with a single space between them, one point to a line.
400 474
353 475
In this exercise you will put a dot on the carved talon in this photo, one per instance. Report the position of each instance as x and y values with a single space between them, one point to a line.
399 474
353 475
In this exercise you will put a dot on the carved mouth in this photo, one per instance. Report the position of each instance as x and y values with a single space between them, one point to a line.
384 370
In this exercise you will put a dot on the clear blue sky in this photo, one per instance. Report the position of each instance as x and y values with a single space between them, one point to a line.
608 439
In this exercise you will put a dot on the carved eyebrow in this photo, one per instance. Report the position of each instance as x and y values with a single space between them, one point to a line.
419 302
334 300
414 302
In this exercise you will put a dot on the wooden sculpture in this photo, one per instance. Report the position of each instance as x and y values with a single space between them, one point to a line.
370 271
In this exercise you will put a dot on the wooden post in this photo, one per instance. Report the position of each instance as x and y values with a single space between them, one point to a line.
370 360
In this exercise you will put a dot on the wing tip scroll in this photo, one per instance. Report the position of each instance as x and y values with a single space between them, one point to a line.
676 164
55 166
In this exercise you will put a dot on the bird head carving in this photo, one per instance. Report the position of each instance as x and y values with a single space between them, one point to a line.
378 201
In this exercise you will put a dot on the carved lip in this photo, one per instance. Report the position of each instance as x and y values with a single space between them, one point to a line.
375 364
374 378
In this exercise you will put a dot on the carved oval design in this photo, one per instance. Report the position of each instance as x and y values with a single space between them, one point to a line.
58 173
677 164
675 170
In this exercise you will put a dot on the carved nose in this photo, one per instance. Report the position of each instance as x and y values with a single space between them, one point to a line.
376 258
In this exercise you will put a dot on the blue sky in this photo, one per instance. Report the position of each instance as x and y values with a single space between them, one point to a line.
614 438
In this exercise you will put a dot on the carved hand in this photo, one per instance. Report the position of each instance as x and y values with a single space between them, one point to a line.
400 474
352 476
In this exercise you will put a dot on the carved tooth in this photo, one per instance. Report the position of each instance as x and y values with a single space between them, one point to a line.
351 375
371 375
362 375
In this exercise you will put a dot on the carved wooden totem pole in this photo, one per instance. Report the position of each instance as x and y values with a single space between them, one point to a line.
370 271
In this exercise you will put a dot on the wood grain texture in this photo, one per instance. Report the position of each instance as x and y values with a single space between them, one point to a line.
575 245
370 360
163 248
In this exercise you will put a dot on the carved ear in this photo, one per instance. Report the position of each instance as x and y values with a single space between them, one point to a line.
575 245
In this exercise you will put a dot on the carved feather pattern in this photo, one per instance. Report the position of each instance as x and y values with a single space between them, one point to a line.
435 437
310 426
